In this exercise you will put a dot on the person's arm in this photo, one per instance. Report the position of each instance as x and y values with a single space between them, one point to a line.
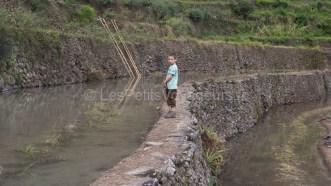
171 72
168 78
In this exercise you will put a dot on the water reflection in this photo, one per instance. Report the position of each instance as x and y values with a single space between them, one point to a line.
280 150
67 135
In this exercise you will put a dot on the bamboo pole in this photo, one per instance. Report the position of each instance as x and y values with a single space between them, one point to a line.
133 64
118 49
130 65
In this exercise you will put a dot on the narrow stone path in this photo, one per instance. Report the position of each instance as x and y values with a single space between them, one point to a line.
168 149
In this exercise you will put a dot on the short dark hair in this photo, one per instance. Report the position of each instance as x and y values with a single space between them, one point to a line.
172 55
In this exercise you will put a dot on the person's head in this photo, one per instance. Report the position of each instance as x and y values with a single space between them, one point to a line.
172 59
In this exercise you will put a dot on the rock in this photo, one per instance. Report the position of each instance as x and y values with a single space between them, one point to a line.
169 169
152 182
194 120
152 143
159 156
147 148
70 128
141 171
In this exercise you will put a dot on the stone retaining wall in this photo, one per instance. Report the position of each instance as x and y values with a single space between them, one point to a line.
235 104
33 59
172 152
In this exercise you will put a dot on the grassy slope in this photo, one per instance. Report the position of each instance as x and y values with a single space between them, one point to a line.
290 22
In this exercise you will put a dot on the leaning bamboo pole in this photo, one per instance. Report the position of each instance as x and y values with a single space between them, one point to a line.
126 49
132 75
117 47
130 65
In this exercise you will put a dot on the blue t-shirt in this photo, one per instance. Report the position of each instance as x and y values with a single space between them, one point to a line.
173 71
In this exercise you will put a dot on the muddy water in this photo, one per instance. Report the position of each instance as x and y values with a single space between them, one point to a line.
69 135
280 150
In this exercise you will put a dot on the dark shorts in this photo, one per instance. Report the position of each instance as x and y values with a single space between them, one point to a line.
171 97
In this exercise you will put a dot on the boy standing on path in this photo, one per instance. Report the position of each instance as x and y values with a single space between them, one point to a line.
170 83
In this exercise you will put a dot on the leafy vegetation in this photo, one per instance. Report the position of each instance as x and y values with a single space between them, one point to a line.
197 14
108 2
242 8
163 9
137 3
69 1
38 4
110 15
179 26
285 22
86 14
213 149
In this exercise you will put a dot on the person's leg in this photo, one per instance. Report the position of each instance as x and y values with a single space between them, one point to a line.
173 95
171 102
167 93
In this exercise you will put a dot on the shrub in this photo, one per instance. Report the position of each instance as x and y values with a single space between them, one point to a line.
214 159
325 26
137 3
196 14
272 3
301 20
282 12
108 2
178 25
213 181
68 2
212 149
322 6
280 4
6 50
38 4
86 14
3 17
21 18
242 8
319 6
264 3
162 9
110 15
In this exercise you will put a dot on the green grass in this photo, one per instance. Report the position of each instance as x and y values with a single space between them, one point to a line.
84 26
179 26
272 22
